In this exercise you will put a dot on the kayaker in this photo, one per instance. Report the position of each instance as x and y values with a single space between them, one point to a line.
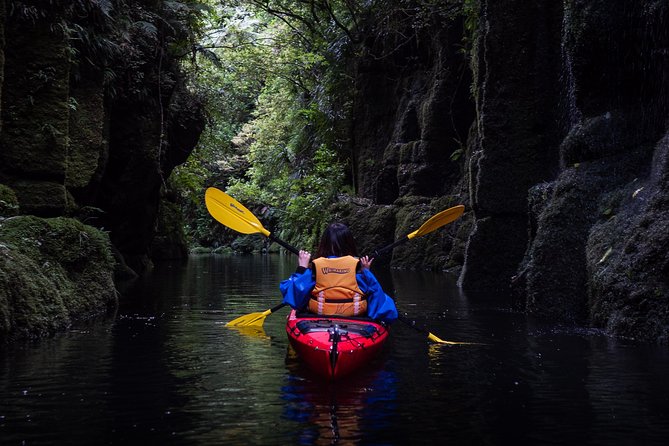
338 282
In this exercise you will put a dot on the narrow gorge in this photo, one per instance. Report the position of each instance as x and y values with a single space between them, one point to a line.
547 120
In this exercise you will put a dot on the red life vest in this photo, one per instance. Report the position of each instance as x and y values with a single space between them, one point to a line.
337 291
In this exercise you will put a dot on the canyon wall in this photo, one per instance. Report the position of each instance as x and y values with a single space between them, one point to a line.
564 155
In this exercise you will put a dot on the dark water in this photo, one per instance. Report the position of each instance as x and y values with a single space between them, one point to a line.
165 370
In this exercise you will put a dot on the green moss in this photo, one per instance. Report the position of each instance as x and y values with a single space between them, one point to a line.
63 240
222 250
35 94
52 271
9 204
86 133
31 296
44 198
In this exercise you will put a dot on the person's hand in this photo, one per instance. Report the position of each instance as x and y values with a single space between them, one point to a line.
303 258
366 262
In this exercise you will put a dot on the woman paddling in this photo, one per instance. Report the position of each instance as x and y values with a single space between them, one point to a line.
338 284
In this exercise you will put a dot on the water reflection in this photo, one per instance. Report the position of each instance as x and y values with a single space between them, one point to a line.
252 332
45 384
166 370
342 412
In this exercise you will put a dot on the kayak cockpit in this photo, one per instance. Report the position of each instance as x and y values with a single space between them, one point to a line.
335 346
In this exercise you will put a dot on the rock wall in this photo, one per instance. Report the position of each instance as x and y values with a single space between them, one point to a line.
588 166
95 115
146 143
35 129
517 68
88 147
411 119
598 253
627 255
565 164
85 130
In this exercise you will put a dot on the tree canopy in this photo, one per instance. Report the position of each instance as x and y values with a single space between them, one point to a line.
277 133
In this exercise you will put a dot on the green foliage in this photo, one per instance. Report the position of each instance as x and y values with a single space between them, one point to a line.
470 11
272 140
280 98
225 68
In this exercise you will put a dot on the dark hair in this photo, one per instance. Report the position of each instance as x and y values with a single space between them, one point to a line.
338 241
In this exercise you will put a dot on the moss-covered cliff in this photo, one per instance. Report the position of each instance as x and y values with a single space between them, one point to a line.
95 114
598 254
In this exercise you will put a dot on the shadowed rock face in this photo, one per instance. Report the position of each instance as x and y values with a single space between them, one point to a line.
412 113
514 147
33 142
411 118
565 165
596 256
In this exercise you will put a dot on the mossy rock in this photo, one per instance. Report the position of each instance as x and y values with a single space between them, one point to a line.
52 272
9 204
220 250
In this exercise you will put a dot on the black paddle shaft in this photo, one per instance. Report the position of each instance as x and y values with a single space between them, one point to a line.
380 252
412 324
376 253
290 248
277 308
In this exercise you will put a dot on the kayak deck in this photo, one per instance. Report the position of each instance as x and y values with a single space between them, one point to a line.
335 346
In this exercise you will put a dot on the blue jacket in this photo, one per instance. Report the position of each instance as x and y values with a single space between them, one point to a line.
296 291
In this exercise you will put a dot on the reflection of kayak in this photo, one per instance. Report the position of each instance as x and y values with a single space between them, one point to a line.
335 346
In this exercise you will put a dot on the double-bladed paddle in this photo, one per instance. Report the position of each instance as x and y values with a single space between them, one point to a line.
229 212
234 215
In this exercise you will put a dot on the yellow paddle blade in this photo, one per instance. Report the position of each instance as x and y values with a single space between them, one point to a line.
228 211
438 340
437 221
251 319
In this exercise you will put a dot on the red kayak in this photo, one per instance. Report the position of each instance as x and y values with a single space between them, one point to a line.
335 346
